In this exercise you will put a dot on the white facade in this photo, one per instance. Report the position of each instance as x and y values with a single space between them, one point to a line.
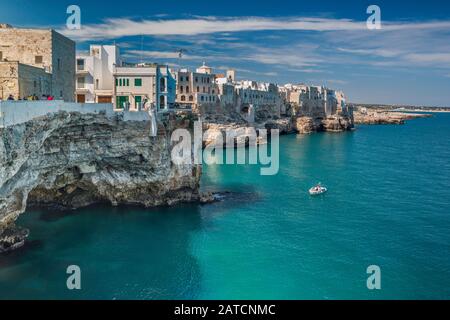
95 83
142 86
316 100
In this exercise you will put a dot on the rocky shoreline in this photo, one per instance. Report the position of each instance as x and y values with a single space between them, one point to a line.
285 125
374 117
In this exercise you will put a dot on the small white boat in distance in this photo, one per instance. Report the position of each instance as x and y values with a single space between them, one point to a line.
317 190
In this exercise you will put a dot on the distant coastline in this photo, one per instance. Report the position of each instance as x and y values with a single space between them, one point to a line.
401 108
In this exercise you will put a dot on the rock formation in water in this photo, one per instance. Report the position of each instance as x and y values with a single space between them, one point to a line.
329 124
385 117
72 160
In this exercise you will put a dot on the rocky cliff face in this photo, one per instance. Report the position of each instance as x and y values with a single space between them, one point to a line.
386 117
330 124
71 160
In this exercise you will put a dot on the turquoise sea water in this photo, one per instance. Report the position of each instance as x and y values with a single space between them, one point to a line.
388 204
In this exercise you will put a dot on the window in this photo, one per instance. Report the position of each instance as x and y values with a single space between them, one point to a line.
196 79
117 82
120 82
138 82
183 98
187 78
181 89
96 84
162 84
198 89
80 64
191 98
187 89
128 82
181 79
162 101
80 82
38 59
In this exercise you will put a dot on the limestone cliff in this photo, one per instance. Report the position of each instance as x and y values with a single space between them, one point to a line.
71 160
329 124
385 117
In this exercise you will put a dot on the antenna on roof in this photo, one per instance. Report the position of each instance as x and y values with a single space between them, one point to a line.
180 56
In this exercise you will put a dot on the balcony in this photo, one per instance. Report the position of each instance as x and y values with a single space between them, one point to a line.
82 70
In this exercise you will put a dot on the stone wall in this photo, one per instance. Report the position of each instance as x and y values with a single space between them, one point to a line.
33 80
18 112
27 46
24 45
63 71
22 80
9 81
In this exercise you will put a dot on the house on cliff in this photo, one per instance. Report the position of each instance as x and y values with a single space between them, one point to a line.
36 62
95 70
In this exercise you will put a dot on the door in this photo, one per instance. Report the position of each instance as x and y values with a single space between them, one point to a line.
137 102
121 102
81 98
104 99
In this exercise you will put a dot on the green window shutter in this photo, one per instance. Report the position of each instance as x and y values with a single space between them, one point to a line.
138 82
128 82
137 100
117 82
120 82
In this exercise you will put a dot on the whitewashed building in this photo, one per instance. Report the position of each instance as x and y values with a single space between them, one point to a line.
144 85
315 100
94 74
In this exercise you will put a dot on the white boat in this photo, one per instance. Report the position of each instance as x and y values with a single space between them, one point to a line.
317 190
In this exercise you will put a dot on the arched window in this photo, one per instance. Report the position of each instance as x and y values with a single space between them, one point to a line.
183 98
162 84
187 89
191 98
198 89
181 89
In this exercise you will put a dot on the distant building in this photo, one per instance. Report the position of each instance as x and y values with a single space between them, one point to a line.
196 88
257 93
135 84
316 100
36 62
95 79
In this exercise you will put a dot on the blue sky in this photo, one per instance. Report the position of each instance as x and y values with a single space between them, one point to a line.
316 42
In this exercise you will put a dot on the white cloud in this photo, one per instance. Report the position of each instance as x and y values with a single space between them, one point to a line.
121 27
